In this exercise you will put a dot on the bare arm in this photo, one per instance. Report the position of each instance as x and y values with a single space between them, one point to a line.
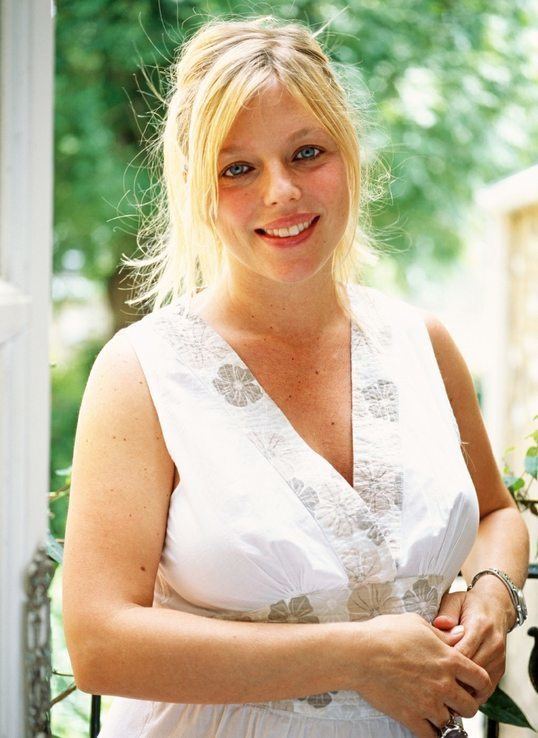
503 539
122 478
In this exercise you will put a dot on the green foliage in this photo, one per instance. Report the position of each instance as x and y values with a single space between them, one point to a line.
502 708
68 382
519 486
451 88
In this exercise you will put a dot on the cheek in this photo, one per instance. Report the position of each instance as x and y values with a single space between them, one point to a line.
330 182
235 206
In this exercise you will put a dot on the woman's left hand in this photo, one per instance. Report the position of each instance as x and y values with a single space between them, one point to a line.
485 620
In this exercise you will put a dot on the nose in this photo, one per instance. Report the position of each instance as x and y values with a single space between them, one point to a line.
279 185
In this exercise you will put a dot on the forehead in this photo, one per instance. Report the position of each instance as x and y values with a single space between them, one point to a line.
273 115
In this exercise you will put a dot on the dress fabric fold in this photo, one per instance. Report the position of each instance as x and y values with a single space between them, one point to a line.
262 528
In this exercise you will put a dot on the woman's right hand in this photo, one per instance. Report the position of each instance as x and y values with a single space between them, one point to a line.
411 672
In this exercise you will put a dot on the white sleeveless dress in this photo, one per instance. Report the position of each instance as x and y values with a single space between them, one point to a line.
263 528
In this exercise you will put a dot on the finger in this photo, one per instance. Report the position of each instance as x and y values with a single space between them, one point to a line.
452 636
450 606
495 669
423 729
470 674
462 703
445 621
441 717
470 643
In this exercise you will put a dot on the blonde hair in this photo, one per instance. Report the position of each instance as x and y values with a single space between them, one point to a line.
217 71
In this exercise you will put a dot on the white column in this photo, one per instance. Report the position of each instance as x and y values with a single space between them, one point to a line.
26 178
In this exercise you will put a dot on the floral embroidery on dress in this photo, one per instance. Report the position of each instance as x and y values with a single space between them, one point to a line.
380 486
319 700
339 514
237 384
360 565
299 610
422 598
382 399
368 601
308 496
276 448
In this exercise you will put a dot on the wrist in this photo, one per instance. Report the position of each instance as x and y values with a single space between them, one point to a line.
491 587
345 652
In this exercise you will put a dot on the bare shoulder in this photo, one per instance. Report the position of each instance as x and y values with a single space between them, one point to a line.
476 446
121 481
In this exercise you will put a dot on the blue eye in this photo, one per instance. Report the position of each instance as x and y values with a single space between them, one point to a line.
234 173
311 149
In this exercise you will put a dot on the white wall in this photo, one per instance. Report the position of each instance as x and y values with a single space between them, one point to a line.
26 105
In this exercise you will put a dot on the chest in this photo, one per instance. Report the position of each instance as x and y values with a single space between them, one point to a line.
312 387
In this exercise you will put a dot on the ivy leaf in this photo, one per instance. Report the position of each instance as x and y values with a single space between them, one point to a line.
531 461
514 483
502 708
54 549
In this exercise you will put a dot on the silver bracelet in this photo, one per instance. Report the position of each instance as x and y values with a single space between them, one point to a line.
516 594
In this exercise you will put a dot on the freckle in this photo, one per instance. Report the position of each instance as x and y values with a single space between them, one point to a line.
130 515
332 422
113 436
143 568
317 371
289 397
124 439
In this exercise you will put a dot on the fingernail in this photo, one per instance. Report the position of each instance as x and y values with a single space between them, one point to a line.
456 629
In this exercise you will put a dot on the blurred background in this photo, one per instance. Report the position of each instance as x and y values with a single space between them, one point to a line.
449 91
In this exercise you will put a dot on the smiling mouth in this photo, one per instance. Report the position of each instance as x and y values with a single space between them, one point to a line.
288 232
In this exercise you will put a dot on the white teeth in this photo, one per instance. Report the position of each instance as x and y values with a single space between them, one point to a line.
293 231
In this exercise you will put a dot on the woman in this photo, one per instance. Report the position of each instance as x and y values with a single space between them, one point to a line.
269 499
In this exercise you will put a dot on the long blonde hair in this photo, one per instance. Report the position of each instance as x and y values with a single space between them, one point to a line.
216 72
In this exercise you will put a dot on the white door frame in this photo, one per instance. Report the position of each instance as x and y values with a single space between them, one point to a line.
26 181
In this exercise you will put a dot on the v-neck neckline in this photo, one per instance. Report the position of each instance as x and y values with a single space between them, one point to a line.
278 412
361 522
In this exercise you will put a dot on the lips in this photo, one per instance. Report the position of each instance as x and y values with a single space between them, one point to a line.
287 241
288 221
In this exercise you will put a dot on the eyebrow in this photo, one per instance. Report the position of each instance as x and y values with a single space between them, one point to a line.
297 134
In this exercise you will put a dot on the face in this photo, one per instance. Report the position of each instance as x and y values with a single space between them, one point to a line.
282 190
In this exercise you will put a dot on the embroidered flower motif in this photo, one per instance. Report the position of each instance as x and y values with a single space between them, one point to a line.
380 486
372 529
382 399
360 565
193 340
308 496
368 601
237 384
423 599
319 700
299 610
330 607
206 347
276 449
339 514
239 616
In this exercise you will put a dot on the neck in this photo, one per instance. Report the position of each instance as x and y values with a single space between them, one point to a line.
258 307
